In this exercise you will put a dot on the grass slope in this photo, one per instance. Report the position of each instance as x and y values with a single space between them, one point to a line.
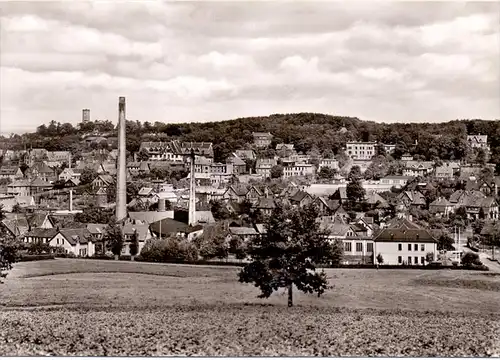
92 307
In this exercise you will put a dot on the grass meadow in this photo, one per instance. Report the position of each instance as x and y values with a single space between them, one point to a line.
104 307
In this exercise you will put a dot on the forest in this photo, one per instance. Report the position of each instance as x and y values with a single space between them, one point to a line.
309 132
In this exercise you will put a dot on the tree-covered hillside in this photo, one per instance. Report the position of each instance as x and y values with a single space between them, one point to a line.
307 131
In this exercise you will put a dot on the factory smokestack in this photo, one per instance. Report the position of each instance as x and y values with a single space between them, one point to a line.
121 180
192 192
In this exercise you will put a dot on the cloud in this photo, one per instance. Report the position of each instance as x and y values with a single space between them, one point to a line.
197 61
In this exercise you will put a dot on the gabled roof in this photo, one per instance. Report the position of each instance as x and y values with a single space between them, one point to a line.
404 235
142 230
266 203
415 197
150 217
401 223
41 233
299 196
97 228
145 191
81 235
169 226
17 226
243 231
40 183
440 202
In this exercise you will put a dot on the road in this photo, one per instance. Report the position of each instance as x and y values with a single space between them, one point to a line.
494 266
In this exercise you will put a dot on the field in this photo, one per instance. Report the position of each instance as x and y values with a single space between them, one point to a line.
92 307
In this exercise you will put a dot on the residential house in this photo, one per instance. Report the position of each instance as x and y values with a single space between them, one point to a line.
476 204
68 174
325 206
298 170
418 168
478 142
301 198
262 139
102 181
329 163
235 193
374 199
11 172
361 150
200 148
441 207
263 167
16 226
444 172
395 181
19 187
408 246
42 171
266 205
238 164
39 185
254 194
490 188
357 248
143 234
246 154
388 148
76 241
412 199
39 236
245 233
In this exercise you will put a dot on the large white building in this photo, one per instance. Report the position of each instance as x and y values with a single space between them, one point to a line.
478 141
361 150
296 170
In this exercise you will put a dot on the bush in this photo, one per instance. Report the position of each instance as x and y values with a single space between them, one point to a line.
172 249
469 259
39 248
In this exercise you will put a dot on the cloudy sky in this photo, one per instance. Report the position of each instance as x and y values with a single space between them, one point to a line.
205 61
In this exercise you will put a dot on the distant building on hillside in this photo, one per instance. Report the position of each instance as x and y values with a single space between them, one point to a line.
261 139
85 115
478 141
389 148
361 150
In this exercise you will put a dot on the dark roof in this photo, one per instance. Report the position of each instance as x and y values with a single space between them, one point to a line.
404 235
171 226
401 223
266 203
81 235
42 233
299 196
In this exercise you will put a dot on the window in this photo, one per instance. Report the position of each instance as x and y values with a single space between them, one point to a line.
422 259
347 247
416 260
400 259
409 247
415 247
409 260
422 247
359 247
369 247
400 247
83 252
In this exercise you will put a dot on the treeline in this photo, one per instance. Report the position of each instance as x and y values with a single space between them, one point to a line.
309 132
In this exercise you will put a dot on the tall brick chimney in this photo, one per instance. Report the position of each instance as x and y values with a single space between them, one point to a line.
192 192
121 179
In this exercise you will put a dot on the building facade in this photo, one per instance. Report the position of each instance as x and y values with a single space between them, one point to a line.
361 150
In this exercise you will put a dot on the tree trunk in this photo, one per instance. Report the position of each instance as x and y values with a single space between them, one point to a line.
132 257
290 295
117 257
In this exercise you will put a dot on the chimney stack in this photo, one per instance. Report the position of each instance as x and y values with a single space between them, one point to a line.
70 200
121 184
192 192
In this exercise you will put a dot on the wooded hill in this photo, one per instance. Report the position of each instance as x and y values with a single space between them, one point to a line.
307 131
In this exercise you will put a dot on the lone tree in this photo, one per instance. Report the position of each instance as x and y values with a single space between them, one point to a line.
114 239
134 245
8 249
380 259
287 255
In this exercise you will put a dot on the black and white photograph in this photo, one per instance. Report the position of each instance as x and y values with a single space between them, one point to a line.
250 178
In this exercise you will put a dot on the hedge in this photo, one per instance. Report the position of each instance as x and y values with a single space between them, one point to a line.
36 257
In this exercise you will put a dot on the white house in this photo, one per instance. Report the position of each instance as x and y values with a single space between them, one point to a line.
405 246
361 150
296 170
76 241
329 163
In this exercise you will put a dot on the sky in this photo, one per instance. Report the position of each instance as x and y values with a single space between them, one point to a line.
208 61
